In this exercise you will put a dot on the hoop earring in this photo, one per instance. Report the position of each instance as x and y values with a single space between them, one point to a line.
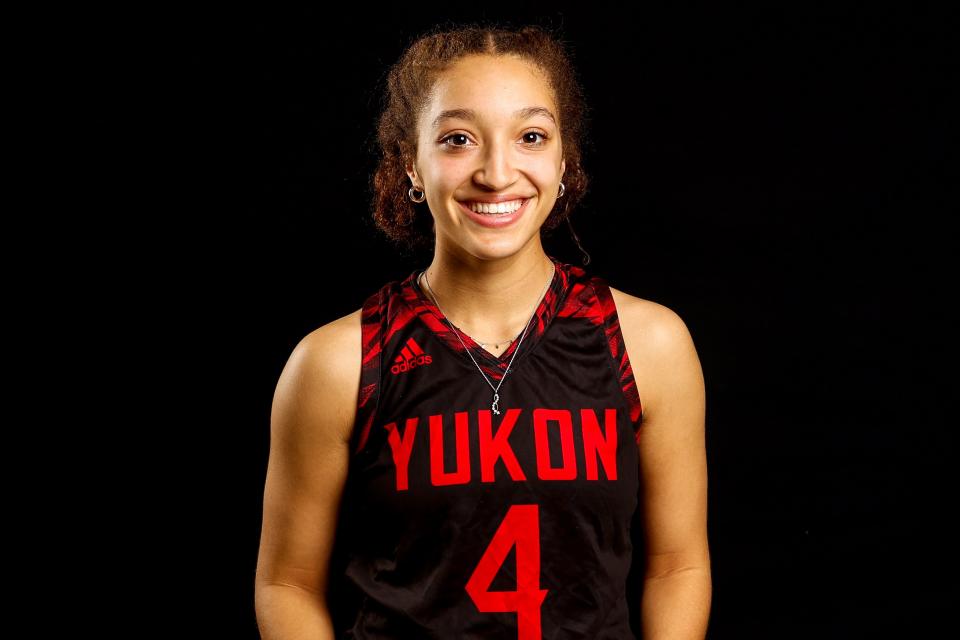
563 190
423 195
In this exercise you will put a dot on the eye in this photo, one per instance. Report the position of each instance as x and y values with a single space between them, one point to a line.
537 133
444 142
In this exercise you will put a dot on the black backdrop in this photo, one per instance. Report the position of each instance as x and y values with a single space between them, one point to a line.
776 176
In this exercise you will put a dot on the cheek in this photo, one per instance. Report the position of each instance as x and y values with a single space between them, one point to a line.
545 175
544 168
446 169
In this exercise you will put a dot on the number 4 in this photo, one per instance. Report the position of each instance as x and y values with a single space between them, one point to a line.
520 527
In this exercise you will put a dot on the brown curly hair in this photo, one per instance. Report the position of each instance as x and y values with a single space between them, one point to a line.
408 85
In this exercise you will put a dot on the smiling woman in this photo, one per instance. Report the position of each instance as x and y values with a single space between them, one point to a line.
448 100
423 483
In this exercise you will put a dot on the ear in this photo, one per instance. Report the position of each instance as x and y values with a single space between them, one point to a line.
411 170
563 167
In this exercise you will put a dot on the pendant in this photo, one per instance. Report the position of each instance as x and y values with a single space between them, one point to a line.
496 399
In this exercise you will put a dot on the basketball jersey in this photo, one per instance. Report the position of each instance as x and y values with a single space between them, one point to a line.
459 522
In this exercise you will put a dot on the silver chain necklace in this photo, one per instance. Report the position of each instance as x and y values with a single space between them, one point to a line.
496 389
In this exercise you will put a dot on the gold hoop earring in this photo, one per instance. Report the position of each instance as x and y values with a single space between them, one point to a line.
421 198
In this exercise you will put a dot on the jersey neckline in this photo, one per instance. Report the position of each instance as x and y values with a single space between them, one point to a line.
492 364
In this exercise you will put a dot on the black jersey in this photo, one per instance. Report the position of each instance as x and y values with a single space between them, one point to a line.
459 522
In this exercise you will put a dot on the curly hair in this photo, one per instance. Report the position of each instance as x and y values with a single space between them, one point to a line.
408 85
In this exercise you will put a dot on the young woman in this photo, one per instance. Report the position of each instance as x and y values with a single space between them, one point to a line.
465 455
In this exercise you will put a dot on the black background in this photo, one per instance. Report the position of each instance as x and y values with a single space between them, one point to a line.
776 176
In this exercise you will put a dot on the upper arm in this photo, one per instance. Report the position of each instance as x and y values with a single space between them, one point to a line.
672 450
312 415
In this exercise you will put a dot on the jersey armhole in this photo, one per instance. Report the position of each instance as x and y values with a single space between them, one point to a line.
618 353
368 397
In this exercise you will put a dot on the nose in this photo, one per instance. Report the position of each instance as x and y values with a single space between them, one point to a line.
498 165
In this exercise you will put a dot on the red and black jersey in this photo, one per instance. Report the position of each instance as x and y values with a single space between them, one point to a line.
457 522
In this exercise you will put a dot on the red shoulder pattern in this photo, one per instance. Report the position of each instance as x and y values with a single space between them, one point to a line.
618 350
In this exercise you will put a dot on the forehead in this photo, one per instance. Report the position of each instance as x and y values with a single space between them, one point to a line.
489 88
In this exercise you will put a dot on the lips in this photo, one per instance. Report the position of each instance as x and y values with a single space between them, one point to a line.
495 220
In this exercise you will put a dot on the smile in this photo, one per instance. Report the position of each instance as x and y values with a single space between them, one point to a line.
495 215
498 207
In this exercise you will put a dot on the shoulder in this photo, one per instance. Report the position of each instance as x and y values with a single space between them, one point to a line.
322 374
656 324
659 346
335 342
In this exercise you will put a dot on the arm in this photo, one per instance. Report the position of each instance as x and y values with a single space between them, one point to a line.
677 588
314 407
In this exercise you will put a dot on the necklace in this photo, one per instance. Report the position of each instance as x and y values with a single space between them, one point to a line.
496 389
495 344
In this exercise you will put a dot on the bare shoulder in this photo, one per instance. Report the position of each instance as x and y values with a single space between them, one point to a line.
658 343
335 339
652 322
323 370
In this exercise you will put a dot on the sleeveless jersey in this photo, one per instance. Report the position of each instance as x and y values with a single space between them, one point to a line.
458 522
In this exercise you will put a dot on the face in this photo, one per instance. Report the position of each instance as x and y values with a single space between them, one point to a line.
490 131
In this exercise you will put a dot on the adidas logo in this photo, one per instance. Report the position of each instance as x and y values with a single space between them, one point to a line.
411 356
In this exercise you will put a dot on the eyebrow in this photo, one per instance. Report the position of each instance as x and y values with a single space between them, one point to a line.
470 114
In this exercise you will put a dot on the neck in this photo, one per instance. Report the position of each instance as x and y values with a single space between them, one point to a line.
489 300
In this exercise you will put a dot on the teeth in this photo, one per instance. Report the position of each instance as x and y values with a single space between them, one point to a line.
502 207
